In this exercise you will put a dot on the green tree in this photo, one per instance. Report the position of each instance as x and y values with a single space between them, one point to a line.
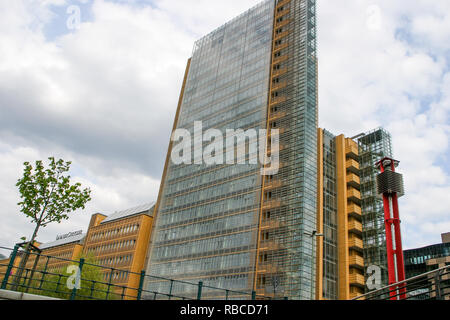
48 196
92 283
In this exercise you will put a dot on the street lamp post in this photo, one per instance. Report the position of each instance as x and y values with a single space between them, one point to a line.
313 236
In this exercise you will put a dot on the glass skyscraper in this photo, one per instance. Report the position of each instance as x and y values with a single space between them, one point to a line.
228 225
373 146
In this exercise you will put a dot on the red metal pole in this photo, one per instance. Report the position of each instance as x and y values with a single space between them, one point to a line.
395 259
389 245
399 247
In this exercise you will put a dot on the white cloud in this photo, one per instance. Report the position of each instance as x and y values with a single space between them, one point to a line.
370 76
105 95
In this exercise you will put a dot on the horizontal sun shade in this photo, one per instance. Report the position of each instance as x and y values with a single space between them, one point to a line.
145 208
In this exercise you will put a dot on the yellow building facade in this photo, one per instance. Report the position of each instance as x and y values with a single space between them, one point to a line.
340 262
120 243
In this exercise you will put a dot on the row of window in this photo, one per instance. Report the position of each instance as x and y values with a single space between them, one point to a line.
215 191
206 264
232 282
121 276
207 227
236 203
203 246
223 173
115 232
204 99
116 260
125 244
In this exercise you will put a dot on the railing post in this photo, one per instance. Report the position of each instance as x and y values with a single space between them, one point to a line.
199 292
109 283
437 285
170 290
141 285
44 273
10 266
74 290
36 262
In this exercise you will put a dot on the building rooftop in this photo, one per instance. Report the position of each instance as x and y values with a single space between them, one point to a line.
142 209
60 242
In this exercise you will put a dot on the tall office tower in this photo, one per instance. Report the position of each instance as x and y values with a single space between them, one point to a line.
373 146
339 220
227 225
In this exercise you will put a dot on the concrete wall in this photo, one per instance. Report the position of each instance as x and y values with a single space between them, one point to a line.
12 295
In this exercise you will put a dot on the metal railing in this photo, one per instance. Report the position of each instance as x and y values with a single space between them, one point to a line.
433 285
85 279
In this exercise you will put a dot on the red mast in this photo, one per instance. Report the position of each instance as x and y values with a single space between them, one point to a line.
390 186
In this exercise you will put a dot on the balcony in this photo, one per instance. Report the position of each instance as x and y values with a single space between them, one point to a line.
357 262
355 226
281 35
280 59
280 47
352 152
281 147
271 224
357 280
355 244
280 131
353 181
354 195
268 268
272 184
271 204
282 3
354 295
280 85
354 210
279 72
352 166
277 115
282 13
277 100
282 23
268 245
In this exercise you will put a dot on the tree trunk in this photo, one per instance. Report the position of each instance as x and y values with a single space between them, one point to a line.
24 260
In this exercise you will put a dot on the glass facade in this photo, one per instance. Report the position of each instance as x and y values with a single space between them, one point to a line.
227 225
416 259
373 146
330 212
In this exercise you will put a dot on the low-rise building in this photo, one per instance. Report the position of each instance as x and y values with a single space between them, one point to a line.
120 242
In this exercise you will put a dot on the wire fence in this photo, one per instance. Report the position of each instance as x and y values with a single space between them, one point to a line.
433 285
85 279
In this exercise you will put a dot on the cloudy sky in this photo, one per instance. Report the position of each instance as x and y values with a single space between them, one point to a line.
103 94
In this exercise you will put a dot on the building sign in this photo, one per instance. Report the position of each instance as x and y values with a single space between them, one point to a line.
69 235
